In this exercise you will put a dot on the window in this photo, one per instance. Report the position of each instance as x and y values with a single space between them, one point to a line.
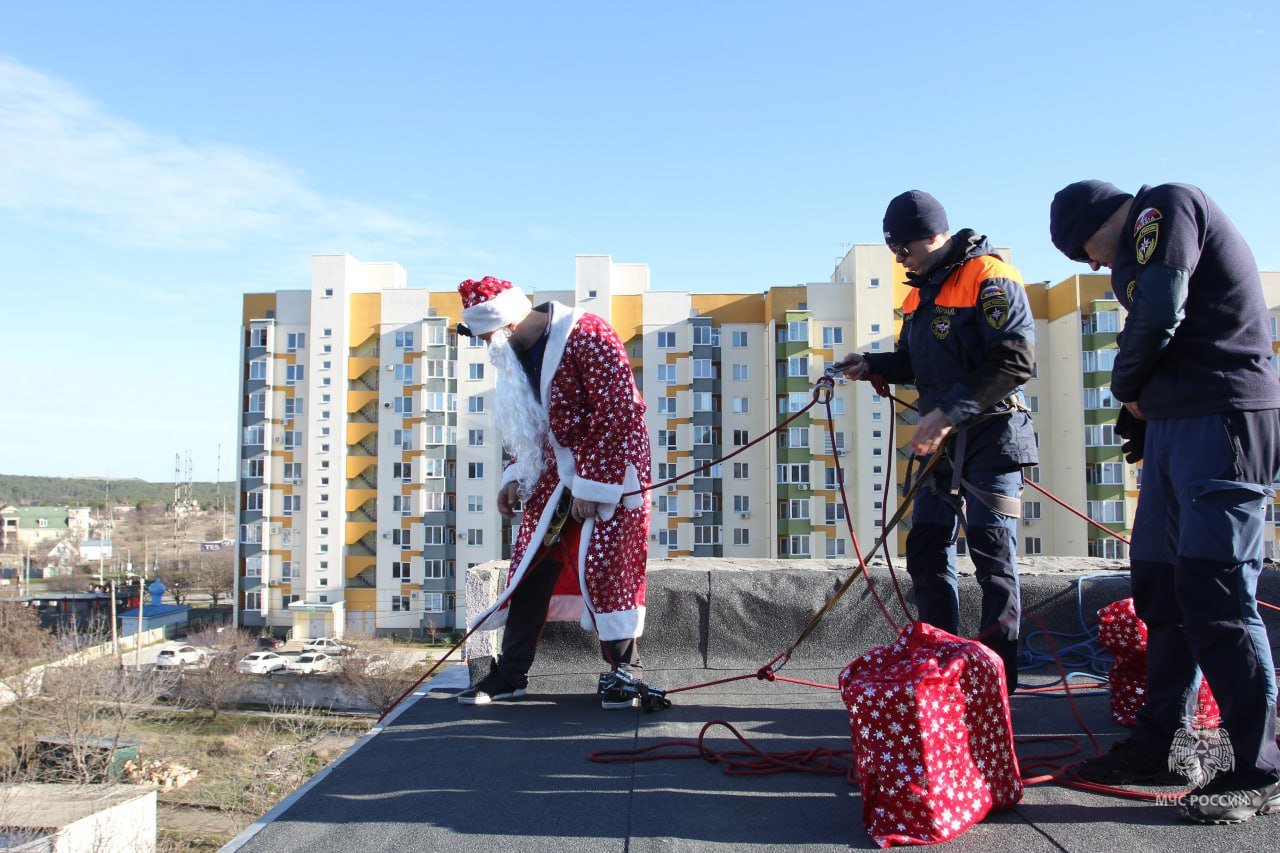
258 337
292 504
253 567
741 373
253 600
402 438
251 534
705 435
475 470
794 509
254 468
399 603
404 341
433 501
798 366
292 473
793 546
292 407
741 536
742 503
1030 510
293 439
475 503
669 538
475 372
739 340
740 438
258 370
703 369
793 437
404 373
1108 548
1031 473
666 470
667 439
295 341
666 340
439 401
1107 512
475 536
706 534
704 335
1106 473
1033 403
591 294
433 602
257 403
402 504
832 336
667 406
1101 435
253 435
835 548
667 504
475 404
835 511
437 335
475 438
706 502
433 468
433 569
797 474
400 537
741 405
831 475
705 401
1032 546
875 282
291 570
293 374
253 501
741 471
1099 398
402 471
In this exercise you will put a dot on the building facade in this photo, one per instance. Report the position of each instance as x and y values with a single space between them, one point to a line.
369 463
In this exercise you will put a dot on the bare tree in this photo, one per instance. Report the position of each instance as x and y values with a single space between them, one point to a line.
379 672
23 646
215 575
213 685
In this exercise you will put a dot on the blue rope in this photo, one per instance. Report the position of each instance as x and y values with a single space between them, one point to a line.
1078 652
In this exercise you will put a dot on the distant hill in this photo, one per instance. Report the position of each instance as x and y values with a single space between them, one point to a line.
92 491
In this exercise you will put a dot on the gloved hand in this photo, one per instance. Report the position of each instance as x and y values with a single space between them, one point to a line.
1134 433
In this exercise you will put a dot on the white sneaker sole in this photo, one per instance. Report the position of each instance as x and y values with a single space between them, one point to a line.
486 699
619 705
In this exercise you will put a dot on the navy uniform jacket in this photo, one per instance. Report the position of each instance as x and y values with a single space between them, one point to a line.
968 343
1196 340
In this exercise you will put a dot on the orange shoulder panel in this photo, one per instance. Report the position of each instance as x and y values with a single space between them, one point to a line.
912 301
960 290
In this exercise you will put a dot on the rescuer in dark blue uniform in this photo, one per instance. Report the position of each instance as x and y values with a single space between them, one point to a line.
1194 372
968 344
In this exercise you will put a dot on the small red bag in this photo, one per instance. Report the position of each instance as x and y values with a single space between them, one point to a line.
1125 636
932 740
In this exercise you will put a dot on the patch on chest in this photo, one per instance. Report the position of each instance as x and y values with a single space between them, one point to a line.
1145 245
941 327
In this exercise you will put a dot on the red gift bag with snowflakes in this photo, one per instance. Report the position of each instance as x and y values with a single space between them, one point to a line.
1123 634
932 741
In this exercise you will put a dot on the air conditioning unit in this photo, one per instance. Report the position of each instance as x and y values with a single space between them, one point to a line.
275 530
697 513
744 514
279 439
390 368
802 487
386 405
653 537
386 535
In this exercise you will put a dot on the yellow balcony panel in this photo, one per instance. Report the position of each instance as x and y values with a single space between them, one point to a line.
356 565
357 497
361 599
357 432
357 365
357 464
357 400
357 530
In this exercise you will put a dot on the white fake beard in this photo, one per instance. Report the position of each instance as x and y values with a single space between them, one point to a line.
519 417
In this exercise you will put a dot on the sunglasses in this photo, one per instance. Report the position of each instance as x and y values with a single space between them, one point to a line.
900 250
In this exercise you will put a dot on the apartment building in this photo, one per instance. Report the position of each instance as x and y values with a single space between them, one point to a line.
369 462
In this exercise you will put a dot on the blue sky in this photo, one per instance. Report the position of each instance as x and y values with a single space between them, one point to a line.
159 160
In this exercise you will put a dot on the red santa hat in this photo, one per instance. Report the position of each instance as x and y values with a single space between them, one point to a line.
492 303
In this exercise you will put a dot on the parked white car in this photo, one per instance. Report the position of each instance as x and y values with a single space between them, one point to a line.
260 663
328 645
176 657
308 663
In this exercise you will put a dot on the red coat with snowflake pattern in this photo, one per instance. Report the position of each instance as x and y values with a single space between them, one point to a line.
598 448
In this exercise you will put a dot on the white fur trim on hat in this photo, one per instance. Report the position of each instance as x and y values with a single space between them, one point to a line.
508 307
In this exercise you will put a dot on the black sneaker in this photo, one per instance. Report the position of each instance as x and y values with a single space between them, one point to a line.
1129 762
1225 800
618 690
492 688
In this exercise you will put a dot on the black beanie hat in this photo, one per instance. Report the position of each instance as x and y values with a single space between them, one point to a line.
913 215
1078 211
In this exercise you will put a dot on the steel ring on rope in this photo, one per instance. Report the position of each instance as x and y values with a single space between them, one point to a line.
823 390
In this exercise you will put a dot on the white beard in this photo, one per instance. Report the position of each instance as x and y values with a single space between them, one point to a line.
519 417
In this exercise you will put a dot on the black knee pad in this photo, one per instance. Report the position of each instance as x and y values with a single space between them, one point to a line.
927 545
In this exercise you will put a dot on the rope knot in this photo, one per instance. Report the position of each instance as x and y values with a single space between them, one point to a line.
823 390
766 673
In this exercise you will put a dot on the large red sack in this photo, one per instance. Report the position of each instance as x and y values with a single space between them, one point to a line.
932 741
1125 636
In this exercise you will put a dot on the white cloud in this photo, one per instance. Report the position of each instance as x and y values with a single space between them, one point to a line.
64 159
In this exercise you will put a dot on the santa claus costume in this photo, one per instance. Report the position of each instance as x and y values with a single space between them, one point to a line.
594 444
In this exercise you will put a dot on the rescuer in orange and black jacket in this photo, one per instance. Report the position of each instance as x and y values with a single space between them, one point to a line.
968 344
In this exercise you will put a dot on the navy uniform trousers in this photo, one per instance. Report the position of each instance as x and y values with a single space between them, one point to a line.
1195 561
993 546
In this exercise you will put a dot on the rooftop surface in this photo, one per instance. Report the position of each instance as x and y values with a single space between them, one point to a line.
518 776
